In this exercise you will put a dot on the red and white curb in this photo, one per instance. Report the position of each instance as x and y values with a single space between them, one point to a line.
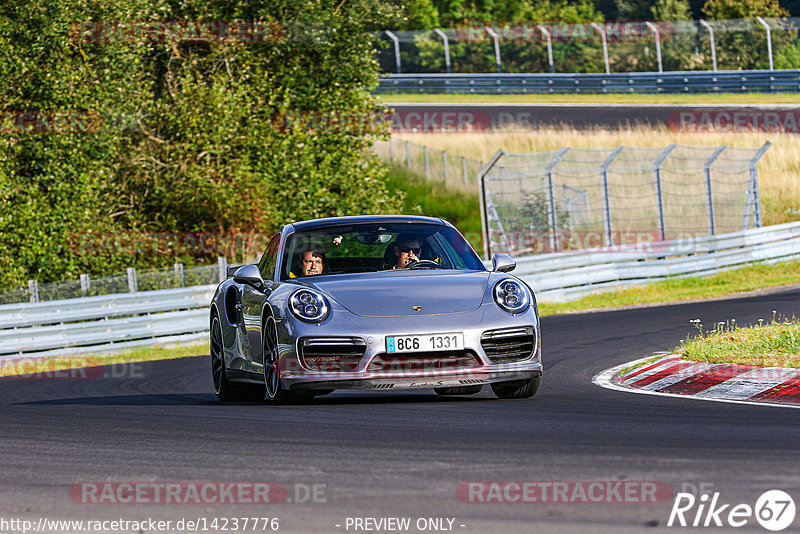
721 382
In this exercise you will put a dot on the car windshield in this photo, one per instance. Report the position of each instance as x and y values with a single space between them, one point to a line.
371 247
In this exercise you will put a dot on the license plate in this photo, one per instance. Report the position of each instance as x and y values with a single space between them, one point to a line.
425 343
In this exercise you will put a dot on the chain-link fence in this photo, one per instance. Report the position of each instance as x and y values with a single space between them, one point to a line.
584 198
736 44
452 170
132 280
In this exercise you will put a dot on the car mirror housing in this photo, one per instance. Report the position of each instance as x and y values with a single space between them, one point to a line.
503 263
248 274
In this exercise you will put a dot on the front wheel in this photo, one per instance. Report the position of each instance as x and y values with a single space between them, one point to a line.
272 373
516 389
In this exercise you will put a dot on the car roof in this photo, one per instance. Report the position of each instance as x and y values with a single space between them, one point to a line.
388 219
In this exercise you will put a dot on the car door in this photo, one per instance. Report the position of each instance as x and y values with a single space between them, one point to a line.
253 301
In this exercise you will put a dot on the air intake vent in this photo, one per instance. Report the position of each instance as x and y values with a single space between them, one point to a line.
448 360
509 344
331 354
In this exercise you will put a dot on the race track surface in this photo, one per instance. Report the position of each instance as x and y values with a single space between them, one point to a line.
404 454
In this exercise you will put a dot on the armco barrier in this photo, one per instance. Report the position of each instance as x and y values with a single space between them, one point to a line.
110 322
571 275
729 81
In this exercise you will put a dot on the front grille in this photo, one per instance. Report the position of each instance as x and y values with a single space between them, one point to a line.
331 353
509 344
445 360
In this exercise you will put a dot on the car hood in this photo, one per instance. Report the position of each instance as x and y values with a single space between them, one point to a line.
395 293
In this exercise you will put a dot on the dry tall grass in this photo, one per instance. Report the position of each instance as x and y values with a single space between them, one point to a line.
778 171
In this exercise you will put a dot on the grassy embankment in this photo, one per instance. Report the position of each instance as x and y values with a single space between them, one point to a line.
773 343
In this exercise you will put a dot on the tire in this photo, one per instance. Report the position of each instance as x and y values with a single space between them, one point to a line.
223 389
516 389
275 391
459 390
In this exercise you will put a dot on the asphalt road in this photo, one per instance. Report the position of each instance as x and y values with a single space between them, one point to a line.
404 455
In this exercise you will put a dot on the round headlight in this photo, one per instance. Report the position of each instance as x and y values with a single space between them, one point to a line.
511 296
309 305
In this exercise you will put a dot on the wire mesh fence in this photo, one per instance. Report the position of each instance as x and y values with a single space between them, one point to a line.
452 170
574 199
640 46
133 280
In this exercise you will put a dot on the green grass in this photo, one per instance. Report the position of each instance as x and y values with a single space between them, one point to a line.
770 344
423 197
723 98
750 278
142 354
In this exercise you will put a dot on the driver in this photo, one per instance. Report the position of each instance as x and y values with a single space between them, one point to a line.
407 249
311 261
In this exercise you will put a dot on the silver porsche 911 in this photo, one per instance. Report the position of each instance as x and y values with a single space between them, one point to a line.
375 303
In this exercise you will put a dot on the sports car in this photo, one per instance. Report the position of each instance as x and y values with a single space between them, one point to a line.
373 303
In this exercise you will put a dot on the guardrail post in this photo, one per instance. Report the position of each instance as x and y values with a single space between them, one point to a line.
222 263
133 284
662 226
464 169
551 205
444 164
658 43
85 284
408 156
396 41
179 274
549 39
391 149
709 196
487 247
708 27
493 35
602 33
33 289
609 238
443 35
427 163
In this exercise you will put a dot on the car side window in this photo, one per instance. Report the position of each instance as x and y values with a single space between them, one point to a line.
270 258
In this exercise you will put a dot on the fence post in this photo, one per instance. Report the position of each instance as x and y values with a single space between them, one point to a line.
662 227
658 44
408 156
487 247
753 194
391 149
602 33
464 169
708 27
179 275
546 34
396 41
551 206
606 202
443 35
769 39
85 284
222 263
493 35
133 284
709 197
33 289
444 162
427 163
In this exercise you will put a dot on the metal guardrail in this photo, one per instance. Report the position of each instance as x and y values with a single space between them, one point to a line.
105 322
730 81
571 275
95 324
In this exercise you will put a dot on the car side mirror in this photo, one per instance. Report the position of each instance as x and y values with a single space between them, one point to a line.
250 275
503 263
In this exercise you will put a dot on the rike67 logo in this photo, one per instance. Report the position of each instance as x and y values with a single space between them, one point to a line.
774 510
